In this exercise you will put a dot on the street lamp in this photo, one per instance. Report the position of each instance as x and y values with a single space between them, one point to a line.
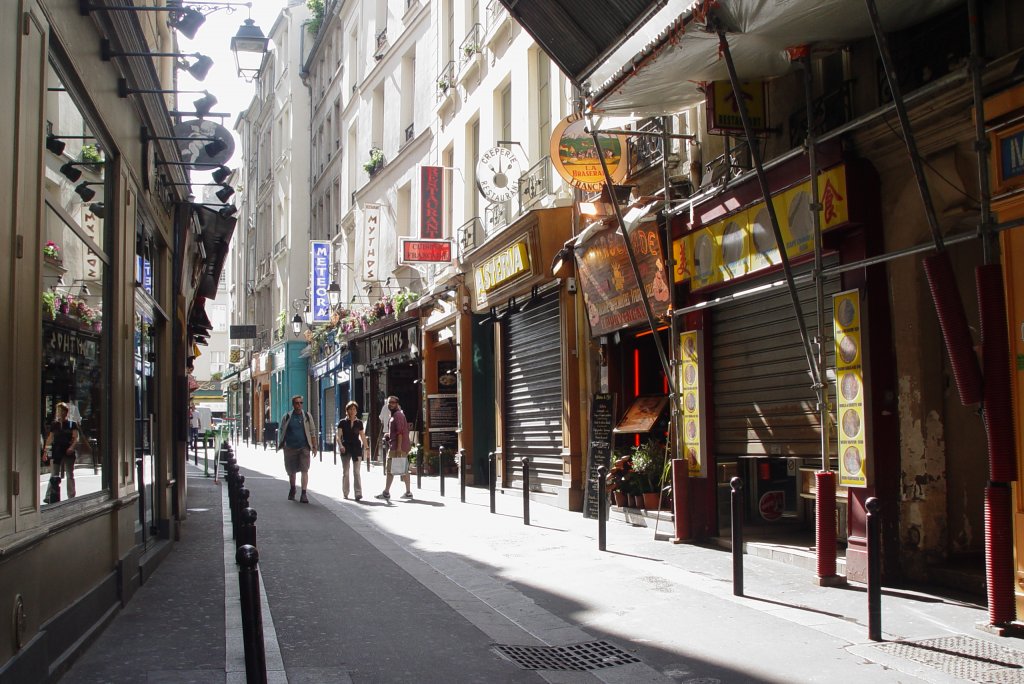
296 324
334 294
249 46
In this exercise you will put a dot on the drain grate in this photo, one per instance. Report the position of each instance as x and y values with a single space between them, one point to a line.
592 655
963 657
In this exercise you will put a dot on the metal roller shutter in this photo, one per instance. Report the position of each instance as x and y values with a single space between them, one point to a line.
533 392
763 396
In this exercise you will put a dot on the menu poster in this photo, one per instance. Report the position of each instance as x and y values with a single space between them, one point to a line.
642 414
850 413
690 383
443 411
599 451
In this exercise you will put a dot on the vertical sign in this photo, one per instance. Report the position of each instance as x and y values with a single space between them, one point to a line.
147 275
850 389
431 202
599 453
371 241
690 384
320 278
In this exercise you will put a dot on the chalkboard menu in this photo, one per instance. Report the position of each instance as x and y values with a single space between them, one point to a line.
443 411
599 451
448 439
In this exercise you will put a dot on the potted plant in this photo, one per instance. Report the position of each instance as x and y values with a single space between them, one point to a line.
415 456
375 162
443 84
51 252
470 49
619 478
649 464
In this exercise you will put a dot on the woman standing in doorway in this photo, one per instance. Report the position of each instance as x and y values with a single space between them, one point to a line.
353 441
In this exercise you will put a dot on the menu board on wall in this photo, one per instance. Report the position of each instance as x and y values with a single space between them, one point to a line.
599 451
850 413
690 382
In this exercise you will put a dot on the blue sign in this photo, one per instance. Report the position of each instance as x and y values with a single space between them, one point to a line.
147 276
1011 154
320 279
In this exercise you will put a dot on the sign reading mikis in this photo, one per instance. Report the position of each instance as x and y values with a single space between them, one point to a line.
743 242
850 413
609 286
690 376
509 263
320 277
431 202
578 161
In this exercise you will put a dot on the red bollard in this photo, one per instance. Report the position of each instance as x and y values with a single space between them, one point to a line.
680 495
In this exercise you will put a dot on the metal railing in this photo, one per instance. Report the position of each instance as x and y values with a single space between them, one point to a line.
535 184
381 43
410 132
496 217
466 235
645 151
470 45
496 13
445 80
280 245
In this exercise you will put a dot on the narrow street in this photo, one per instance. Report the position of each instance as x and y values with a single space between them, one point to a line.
424 590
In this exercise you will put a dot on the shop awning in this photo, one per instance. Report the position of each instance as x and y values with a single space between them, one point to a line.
198 322
217 230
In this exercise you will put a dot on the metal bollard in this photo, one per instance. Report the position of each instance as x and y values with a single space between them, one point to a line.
492 477
526 490
247 530
440 466
462 475
736 484
602 509
874 524
248 559
421 465
242 503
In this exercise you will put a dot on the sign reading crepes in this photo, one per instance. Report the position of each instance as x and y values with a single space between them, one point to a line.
507 264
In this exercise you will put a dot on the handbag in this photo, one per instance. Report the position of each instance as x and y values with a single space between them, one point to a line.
399 465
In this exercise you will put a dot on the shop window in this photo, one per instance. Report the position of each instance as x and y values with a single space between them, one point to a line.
75 268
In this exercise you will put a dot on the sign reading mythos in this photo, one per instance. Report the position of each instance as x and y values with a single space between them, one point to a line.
498 173
371 241
319 280
578 161
510 262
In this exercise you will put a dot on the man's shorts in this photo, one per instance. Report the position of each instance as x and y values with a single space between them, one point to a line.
296 460
392 455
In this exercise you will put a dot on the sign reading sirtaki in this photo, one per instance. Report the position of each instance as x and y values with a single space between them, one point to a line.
578 161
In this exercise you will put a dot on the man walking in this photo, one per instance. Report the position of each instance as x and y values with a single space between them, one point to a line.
298 436
398 451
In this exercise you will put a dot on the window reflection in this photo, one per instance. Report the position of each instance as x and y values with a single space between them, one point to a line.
73 422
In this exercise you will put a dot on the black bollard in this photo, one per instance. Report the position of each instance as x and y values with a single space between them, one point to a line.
737 535
526 490
421 465
248 559
874 524
440 466
492 477
462 475
602 509
247 530
242 504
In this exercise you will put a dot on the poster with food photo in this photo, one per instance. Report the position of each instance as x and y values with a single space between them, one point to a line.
850 413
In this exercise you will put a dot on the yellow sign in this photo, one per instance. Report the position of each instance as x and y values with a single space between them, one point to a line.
510 262
690 389
724 111
744 243
576 159
850 413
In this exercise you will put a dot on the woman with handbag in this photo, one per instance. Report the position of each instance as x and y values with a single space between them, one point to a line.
352 441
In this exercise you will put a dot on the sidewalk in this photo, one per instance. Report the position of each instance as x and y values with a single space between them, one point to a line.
423 590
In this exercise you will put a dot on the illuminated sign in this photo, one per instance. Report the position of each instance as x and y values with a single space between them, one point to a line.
431 202
577 160
724 110
320 279
414 251
507 264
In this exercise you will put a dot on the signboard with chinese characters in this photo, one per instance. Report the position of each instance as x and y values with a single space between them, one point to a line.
691 376
371 242
578 161
319 280
431 202
850 413
724 111
413 251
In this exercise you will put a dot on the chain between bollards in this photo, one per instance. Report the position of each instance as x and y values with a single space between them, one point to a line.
440 466
492 478
736 499
462 475
602 509
873 516
248 558
526 490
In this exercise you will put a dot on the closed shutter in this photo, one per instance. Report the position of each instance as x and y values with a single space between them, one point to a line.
533 393
764 400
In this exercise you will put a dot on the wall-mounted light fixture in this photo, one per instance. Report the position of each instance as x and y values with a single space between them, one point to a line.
56 144
98 209
185 20
72 173
224 210
197 69
203 105
213 147
562 265
84 191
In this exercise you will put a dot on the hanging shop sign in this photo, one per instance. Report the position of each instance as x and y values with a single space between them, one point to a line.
723 107
508 264
610 289
850 413
319 277
498 173
371 242
415 251
743 242
577 160
204 143
394 344
431 202
691 376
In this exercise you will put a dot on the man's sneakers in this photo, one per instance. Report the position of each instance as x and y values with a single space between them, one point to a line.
291 494
303 499
407 495
383 496
359 497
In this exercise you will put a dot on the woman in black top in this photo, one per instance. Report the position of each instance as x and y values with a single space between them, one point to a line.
63 437
353 441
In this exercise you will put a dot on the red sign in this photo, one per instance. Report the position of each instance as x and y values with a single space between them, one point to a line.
772 505
432 202
426 251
